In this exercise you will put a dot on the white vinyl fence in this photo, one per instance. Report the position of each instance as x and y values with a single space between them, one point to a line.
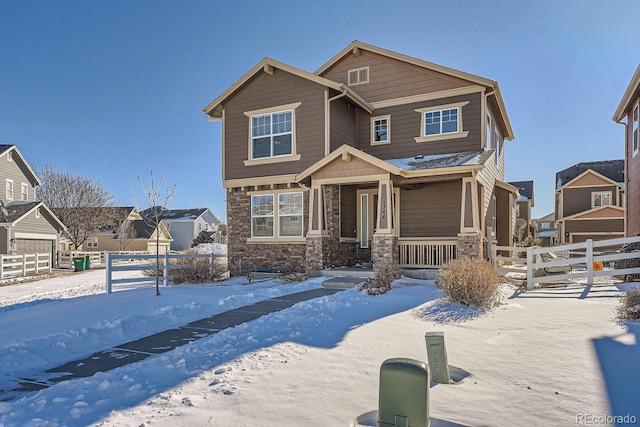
146 262
22 265
569 262
95 257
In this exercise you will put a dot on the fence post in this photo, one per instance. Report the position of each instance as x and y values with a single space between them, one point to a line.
49 256
166 268
1 266
108 269
24 264
530 268
211 265
589 262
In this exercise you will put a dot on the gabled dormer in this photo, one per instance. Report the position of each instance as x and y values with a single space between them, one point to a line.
18 181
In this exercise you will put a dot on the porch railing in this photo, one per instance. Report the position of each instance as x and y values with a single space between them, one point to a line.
426 252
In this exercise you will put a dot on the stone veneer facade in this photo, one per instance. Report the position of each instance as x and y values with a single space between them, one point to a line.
469 245
385 249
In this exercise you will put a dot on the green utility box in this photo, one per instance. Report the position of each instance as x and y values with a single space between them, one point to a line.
79 263
87 262
437 357
404 394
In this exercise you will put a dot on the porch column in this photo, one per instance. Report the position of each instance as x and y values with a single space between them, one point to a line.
470 236
385 241
317 254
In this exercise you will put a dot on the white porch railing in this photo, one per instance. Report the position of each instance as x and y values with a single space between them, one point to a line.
426 252
22 265
580 265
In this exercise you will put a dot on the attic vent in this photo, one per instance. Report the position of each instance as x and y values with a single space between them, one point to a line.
358 76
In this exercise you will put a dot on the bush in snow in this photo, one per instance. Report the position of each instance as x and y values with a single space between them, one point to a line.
297 272
470 282
196 270
385 272
629 307
203 237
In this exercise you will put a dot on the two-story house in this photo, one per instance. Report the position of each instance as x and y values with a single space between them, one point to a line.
184 225
26 225
628 113
546 229
590 201
374 156
524 222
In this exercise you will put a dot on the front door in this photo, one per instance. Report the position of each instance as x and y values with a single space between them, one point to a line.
368 215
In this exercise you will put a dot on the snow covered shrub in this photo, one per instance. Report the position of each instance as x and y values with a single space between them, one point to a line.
196 270
203 237
297 272
385 272
470 282
629 307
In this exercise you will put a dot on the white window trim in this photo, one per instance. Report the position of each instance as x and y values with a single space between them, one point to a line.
274 159
635 127
10 156
275 237
441 136
357 71
601 193
24 191
37 213
9 182
373 130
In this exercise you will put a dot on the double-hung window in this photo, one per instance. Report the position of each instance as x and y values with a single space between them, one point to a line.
9 189
272 134
24 191
380 130
636 130
277 215
441 122
600 198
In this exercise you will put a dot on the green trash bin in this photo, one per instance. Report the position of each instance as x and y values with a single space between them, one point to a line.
78 263
87 262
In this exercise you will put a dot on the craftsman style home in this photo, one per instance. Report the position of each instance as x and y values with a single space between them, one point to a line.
374 156
590 202
628 113
26 225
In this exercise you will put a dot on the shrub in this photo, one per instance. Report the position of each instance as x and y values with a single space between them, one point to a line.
385 272
297 272
470 282
629 307
196 270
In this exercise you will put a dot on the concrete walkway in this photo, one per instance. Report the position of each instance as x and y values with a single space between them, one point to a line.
161 342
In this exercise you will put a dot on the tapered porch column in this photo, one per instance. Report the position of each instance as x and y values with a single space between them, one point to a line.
470 236
318 247
385 241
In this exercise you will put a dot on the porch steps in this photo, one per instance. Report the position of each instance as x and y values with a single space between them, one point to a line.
343 282
357 271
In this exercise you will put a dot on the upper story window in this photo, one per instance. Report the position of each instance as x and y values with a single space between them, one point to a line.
37 212
441 122
600 198
380 130
636 130
10 156
517 209
358 76
9 189
545 225
24 191
272 135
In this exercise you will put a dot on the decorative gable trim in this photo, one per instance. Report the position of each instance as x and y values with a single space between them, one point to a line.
427 96
575 182
602 212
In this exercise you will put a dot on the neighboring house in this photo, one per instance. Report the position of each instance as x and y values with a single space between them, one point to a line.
375 156
590 201
26 225
524 223
128 232
546 229
185 224
629 111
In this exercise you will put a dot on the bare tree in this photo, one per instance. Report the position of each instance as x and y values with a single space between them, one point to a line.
83 204
158 202
125 234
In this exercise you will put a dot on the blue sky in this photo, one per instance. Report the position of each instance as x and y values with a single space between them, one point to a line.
114 89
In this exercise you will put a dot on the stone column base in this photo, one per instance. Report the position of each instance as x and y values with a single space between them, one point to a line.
384 247
469 245
318 253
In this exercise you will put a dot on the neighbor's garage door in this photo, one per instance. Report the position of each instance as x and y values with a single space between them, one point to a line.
31 246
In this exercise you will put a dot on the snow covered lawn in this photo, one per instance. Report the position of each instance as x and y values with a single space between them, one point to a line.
550 357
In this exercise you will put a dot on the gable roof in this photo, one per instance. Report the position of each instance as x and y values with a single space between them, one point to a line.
17 210
601 212
492 85
214 109
180 214
29 172
611 169
525 188
629 95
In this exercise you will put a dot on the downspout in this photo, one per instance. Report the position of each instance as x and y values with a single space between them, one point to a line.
626 175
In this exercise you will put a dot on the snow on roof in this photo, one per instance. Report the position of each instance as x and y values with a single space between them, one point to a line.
436 161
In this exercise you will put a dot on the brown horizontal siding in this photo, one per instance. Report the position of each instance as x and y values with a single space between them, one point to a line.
405 125
433 210
390 78
579 199
342 125
348 211
339 168
632 185
594 226
267 91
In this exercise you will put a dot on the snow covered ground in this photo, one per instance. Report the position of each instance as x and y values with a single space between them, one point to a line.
550 357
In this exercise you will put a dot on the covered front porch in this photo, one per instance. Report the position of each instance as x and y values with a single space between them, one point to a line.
363 209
